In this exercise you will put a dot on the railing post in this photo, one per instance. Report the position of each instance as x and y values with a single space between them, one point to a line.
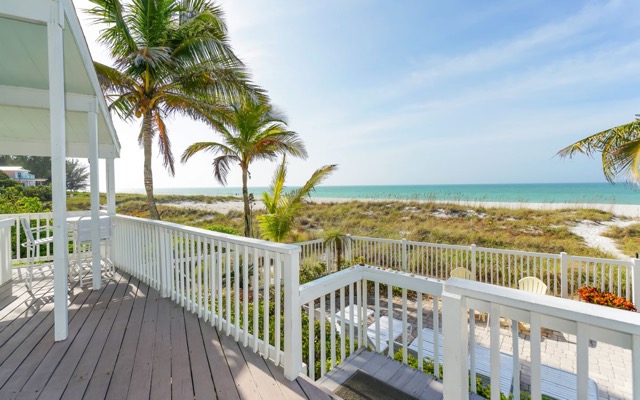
292 317
164 262
455 347
635 285
404 255
564 275
473 261
349 255
5 251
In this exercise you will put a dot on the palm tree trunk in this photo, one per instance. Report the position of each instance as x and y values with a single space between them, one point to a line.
148 173
245 198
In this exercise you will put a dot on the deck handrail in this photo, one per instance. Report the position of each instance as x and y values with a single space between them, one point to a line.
587 322
227 280
563 273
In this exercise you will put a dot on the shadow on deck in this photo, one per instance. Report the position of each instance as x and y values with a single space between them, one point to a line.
126 342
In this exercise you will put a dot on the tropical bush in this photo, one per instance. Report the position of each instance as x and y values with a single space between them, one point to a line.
595 296
222 229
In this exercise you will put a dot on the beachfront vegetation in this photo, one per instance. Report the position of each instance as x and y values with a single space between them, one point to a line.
519 229
282 207
254 131
169 57
620 150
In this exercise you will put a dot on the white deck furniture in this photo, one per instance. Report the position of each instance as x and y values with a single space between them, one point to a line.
396 329
32 245
483 364
83 243
562 385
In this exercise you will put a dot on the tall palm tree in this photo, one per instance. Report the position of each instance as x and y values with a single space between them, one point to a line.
170 57
254 131
620 148
281 207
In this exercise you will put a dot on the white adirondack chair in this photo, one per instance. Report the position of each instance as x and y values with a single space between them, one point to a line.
461 272
532 285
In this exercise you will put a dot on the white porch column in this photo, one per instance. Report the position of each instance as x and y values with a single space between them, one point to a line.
111 186
94 184
58 170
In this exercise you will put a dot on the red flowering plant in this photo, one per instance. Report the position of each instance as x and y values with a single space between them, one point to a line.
594 296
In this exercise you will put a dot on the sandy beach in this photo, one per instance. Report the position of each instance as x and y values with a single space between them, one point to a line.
620 210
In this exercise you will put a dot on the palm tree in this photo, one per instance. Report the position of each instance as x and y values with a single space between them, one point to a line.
254 131
339 240
281 207
170 57
620 148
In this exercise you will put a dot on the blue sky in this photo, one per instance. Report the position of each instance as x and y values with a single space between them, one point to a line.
425 92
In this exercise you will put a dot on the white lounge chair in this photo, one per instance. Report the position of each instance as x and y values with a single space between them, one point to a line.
396 330
483 367
427 345
483 358
563 385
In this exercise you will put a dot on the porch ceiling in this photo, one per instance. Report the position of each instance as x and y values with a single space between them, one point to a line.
24 83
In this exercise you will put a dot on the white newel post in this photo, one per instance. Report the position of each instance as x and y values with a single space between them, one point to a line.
635 285
55 45
473 262
404 255
292 316
5 250
455 347
111 186
564 275
94 186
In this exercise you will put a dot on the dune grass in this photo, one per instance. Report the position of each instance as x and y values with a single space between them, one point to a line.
520 229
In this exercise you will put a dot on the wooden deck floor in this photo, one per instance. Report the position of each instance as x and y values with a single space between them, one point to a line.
126 342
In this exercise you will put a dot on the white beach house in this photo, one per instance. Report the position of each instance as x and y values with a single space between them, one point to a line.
190 313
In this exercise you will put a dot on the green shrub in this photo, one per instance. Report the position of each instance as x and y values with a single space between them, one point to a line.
222 229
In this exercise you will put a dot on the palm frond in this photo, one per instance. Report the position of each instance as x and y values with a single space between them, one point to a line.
165 144
615 162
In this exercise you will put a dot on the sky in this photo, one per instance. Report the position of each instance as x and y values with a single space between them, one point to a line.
422 92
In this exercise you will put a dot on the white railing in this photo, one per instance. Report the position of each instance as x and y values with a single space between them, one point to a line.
5 249
239 285
38 220
563 274
347 305
585 321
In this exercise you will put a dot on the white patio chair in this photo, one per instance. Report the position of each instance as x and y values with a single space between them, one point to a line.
83 241
32 245
461 272
396 329
532 285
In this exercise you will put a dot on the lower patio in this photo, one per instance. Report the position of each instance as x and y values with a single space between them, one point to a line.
125 341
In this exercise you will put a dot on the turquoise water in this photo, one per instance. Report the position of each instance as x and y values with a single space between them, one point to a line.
530 193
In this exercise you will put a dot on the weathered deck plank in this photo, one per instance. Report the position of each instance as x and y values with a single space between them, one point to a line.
222 377
161 377
127 342
99 382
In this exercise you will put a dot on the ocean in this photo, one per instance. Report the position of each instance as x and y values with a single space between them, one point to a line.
529 193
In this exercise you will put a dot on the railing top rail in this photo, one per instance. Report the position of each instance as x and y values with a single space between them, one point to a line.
518 252
44 214
594 315
309 242
262 244
330 283
378 240
438 245
7 223
601 260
